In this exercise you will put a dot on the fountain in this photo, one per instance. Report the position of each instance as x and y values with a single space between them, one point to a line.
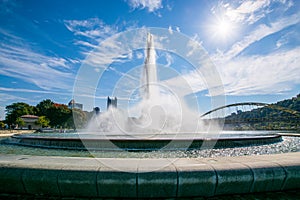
156 128
146 178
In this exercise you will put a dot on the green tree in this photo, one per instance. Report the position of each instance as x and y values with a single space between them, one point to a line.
20 122
2 124
42 121
16 110
44 107
59 114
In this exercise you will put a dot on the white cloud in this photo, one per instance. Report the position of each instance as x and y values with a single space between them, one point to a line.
7 97
194 45
270 74
169 60
170 30
284 39
169 7
139 55
274 73
244 12
249 11
18 60
260 32
32 91
127 75
117 48
186 84
86 44
93 29
151 5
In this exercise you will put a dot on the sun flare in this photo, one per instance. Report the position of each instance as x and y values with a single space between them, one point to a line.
222 29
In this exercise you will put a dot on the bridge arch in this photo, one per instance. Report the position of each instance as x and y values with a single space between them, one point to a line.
294 112
235 105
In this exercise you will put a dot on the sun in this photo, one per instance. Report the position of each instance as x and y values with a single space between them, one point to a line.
222 29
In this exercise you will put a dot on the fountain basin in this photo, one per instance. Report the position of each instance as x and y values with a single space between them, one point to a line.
67 178
129 143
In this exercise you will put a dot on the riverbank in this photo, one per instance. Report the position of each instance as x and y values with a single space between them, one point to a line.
7 133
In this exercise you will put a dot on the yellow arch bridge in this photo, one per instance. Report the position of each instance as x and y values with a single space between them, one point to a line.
284 114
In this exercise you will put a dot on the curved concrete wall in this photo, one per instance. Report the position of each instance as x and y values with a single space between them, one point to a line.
148 178
138 144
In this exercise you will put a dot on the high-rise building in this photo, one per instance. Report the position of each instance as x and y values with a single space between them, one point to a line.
72 104
112 102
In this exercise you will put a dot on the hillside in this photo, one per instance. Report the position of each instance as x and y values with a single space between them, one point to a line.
281 115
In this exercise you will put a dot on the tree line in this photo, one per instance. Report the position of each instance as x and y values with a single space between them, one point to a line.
50 115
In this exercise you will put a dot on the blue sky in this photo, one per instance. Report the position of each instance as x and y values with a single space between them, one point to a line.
254 45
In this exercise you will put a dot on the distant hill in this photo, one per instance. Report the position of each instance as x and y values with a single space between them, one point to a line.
281 115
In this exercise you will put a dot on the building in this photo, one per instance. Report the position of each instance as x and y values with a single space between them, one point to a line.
112 102
30 121
97 110
72 104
